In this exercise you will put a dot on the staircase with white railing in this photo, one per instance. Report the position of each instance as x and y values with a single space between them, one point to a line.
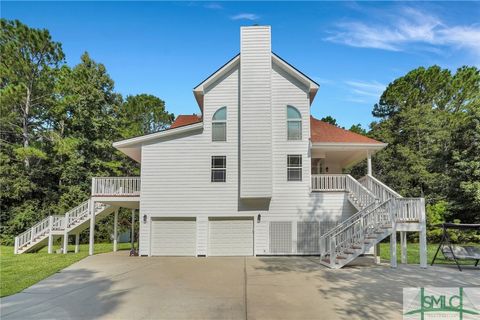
78 218
381 209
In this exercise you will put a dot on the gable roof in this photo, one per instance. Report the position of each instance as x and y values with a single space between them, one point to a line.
323 132
198 91
185 120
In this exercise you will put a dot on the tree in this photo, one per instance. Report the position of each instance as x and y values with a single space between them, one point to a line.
357 128
29 59
430 119
143 114
330 119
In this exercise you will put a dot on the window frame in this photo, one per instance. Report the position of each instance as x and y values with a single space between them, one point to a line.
214 169
222 121
291 168
296 121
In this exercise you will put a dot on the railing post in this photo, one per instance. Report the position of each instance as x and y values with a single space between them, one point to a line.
15 250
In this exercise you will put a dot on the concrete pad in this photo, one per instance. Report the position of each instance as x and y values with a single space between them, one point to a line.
116 286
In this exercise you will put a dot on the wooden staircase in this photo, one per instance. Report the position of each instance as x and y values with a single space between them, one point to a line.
380 210
75 220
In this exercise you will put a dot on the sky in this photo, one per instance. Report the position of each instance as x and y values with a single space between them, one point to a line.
352 49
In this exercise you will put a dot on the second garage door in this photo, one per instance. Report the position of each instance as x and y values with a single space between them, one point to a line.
230 236
174 237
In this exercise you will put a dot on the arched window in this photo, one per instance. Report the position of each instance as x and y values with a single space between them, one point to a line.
294 124
219 125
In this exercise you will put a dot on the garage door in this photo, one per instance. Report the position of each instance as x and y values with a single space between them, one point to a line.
173 237
230 236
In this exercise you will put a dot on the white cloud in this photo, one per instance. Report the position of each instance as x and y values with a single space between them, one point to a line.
408 28
245 16
213 6
364 91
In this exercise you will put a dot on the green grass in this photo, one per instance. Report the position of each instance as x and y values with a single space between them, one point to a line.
413 256
18 272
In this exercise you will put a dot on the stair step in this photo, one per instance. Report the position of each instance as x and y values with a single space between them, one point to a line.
348 252
341 257
356 247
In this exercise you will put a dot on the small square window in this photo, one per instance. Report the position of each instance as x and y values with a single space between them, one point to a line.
294 168
219 169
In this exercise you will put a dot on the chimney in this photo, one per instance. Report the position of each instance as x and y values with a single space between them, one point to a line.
255 112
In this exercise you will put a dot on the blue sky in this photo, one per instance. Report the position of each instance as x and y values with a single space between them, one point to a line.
353 49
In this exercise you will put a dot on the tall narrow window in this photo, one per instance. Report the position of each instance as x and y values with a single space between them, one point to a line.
219 168
219 125
294 124
294 167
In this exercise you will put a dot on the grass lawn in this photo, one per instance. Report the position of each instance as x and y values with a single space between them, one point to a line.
18 272
413 256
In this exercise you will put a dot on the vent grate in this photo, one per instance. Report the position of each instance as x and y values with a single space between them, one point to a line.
280 237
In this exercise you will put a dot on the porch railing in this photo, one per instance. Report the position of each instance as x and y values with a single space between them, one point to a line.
378 188
116 186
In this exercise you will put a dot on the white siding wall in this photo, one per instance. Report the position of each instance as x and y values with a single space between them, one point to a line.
255 110
176 172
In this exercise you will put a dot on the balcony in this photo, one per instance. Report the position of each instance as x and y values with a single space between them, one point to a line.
116 187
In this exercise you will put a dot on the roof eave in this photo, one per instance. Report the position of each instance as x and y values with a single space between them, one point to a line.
149 137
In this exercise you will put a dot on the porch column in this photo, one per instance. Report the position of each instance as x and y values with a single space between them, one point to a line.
369 163
92 227
133 229
403 245
115 230
423 235
65 234
376 253
50 236
393 249
77 242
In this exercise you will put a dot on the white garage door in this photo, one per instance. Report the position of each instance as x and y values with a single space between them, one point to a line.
230 237
173 237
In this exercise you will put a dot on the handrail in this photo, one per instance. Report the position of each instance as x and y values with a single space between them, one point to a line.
380 189
116 186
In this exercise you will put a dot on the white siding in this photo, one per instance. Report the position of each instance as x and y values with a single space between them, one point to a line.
255 110
176 171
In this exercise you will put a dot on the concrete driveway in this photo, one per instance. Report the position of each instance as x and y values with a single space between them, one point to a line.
115 286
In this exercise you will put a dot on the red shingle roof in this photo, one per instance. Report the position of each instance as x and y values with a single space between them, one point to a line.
185 120
321 131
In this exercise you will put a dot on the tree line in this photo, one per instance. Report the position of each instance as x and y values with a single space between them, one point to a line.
58 123
57 127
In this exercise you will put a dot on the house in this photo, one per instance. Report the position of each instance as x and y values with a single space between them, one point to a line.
254 174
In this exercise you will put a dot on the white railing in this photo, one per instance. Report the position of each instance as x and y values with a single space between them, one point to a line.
363 224
78 213
29 236
342 182
116 186
378 188
409 209
405 209
329 182
58 223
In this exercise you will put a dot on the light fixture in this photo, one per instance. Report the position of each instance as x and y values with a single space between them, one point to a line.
144 218
259 218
